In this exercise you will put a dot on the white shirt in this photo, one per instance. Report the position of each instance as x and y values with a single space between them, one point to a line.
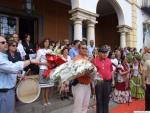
90 50
115 62
135 70
68 58
21 50
42 58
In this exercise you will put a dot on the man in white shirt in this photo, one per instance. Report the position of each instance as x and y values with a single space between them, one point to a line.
91 48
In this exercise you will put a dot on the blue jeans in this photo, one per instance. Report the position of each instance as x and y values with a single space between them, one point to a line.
7 101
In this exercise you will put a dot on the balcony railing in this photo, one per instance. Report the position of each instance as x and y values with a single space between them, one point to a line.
146 6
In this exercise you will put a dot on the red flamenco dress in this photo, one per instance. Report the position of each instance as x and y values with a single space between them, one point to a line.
121 93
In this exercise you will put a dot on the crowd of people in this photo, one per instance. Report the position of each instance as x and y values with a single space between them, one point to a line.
123 74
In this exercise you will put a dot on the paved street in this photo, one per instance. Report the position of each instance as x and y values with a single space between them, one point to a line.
136 105
65 106
57 106
68 109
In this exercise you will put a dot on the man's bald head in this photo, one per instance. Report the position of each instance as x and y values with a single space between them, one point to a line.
3 44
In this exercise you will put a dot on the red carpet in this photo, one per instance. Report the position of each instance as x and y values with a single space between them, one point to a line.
136 105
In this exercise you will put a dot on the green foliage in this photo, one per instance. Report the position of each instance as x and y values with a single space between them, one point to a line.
129 57
138 56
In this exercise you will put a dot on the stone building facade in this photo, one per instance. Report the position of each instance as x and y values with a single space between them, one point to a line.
115 22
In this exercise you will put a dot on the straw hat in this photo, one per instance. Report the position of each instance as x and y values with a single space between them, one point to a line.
28 90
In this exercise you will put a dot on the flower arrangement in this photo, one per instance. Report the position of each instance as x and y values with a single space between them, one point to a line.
53 61
73 69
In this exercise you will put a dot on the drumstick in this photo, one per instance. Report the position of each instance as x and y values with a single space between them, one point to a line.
27 72
23 77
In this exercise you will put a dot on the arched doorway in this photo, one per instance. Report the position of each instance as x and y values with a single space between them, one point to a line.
110 18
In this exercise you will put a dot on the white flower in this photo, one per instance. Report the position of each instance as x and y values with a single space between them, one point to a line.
73 69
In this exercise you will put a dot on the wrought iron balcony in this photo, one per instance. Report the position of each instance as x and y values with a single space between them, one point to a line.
146 6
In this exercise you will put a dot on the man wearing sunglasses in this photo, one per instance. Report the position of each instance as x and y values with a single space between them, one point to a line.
8 71
81 90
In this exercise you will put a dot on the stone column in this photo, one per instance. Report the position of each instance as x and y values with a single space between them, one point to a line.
90 31
128 39
123 39
78 29
123 35
78 15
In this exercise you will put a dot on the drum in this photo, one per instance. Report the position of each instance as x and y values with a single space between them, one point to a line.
28 90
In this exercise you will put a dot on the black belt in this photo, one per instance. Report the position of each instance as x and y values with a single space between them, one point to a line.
108 80
4 90
100 81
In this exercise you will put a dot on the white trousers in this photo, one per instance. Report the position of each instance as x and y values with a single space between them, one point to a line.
81 94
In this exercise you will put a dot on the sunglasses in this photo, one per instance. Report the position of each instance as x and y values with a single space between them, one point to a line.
3 42
14 45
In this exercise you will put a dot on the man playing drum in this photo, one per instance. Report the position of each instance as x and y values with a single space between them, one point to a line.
8 71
